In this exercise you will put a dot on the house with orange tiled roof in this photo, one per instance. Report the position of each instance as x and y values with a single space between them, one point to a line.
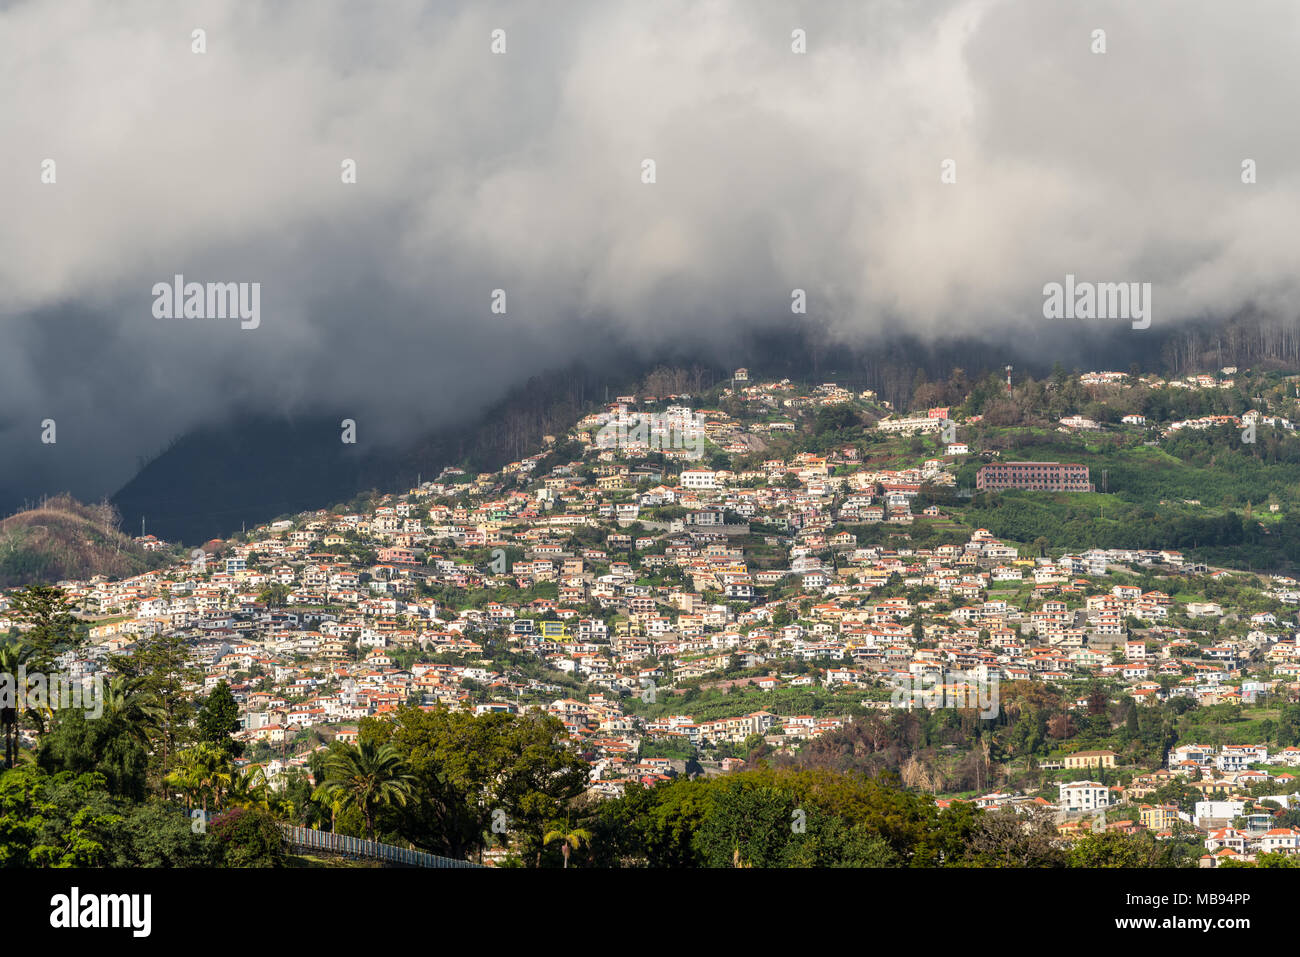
1226 854
1280 840
1226 837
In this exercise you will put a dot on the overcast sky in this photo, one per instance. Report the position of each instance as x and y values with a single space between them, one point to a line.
523 171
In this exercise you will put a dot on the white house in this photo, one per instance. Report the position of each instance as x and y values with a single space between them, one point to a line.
1084 796
699 478
1280 840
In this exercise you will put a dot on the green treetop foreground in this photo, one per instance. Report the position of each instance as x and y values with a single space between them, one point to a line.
459 785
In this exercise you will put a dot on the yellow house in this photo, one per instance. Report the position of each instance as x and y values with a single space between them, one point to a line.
1211 789
1158 818
1090 759
554 630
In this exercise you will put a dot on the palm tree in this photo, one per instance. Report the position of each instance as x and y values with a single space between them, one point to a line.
367 777
201 771
569 839
250 789
185 778
128 702
333 800
13 655
218 771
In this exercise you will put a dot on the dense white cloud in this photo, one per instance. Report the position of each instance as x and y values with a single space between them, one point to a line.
522 172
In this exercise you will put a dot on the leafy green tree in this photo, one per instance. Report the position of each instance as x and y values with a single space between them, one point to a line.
1010 838
827 841
749 820
466 767
747 825
274 595
1178 792
109 745
1288 725
651 827
1267 728
1114 849
157 834
1277 860
63 820
248 837
161 664
297 796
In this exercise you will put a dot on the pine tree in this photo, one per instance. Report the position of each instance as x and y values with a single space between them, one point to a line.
218 719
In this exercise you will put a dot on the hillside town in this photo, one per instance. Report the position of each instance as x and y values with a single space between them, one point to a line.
639 574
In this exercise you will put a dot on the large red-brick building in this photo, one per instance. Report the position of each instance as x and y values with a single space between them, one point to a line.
1043 476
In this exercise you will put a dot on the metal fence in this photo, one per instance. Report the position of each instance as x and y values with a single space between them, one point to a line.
313 840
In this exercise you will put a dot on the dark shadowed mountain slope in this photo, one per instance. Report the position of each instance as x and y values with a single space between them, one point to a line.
255 467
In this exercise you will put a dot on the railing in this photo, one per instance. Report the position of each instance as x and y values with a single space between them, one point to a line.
313 840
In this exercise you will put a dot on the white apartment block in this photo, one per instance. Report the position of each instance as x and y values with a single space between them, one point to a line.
699 479
1084 796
